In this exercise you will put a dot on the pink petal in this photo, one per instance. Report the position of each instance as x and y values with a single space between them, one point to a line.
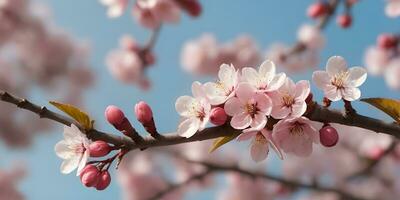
259 121
259 151
321 79
233 106
245 91
351 94
280 112
298 109
246 135
302 90
264 103
241 121
357 76
276 82
197 90
332 93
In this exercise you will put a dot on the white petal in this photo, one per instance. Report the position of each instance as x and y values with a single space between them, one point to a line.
70 165
215 94
321 79
351 94
197 90
62 150
332 93
302 90
188 127
335 65
182 105
357 76
226 74
241 121
251 76
82 162
276 82
267 68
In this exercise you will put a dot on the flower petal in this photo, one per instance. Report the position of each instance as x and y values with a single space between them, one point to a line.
302 90
214 93
188 127
267 68
357 76
332 93
233 107
264 103
182 104
197 90
70 165
259 150
335 65
62 150
246 135
276 82
241 121
245 91
351 94
298 109
259 121
321 79
251 76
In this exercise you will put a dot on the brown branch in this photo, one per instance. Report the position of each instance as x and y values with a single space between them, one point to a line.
317 113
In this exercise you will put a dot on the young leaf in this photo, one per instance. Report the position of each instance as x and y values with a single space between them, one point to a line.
81 117
389 106
221 141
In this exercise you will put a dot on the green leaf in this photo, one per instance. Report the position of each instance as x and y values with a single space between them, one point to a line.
389 106
221 141
81 117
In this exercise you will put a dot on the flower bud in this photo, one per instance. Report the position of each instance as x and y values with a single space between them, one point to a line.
328 136
387 41
104 180
90 176
114 115
192 7
344 21
218 116
317 10
143 112
99 148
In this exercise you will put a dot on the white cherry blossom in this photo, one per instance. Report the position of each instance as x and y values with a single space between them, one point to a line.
266 78
195 111
74 150
338 82
220 91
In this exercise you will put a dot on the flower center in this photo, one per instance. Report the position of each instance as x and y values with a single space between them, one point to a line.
222 87
197 110
251 109
339 79
296 129
79 148
287 100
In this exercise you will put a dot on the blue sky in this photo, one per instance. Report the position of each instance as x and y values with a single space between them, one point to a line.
266 21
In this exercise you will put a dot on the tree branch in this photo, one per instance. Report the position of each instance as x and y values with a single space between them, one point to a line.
317 113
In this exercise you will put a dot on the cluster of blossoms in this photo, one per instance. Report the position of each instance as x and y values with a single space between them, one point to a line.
152 13
383 59
201 56
248 99
35 54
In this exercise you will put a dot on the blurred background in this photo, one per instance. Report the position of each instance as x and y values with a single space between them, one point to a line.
265 21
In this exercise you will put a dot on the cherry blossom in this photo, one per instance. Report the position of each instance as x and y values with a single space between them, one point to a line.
392 74
73 150
311 37
248 108
220 91
195 111
266 78
376 60
295 136
289 100
115 7
338 82
392 8
259 148
151 13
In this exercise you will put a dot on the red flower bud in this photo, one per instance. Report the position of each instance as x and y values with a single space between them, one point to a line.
114 115
387 41
344 21
328 136
99 149
192 7
143 112
90 176
218 116
317 10
104 180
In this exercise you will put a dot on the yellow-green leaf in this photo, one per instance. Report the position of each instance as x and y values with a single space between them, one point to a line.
389 106
221 141
81 117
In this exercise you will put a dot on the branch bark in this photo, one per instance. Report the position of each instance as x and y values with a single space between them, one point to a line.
316 113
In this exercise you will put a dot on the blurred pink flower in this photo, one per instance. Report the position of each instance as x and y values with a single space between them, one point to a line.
376 60
311 36
392 8
295 136
115 7
392 74
151 13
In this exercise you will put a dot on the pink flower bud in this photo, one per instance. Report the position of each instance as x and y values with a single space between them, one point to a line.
317 10
114 115
387 41
104 180
192 7
90 176
99 149
344 21
328 136
218 116
143 112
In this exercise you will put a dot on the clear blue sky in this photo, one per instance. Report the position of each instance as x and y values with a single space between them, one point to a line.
266 21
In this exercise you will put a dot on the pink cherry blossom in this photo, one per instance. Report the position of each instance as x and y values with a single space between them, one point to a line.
266 78
248 108
311 37
195 111
295 136
115 7
392 8
338 82
151 13
259 148
376 60
220 91
289 100
392 74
